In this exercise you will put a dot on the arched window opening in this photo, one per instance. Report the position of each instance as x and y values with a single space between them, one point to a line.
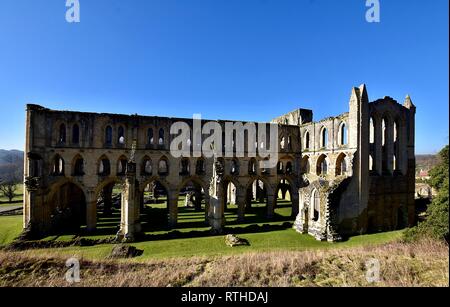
324 138
371 165
108 136
122 166
161 137
62 134
371 131
58 166
383 132
289 168
163 167
280 168
78 169
341 165
252 167
147 167
306 169
315 205
307 140
75 134
104 167
322 165
184 167
283 143
150 138
200 167
395 131
234 167
344 134
121 136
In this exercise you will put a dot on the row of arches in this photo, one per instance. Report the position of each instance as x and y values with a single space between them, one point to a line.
322 166
62 138
386 139
324 136
161 207
162 168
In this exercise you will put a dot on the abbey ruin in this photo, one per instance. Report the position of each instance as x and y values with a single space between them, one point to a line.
349 174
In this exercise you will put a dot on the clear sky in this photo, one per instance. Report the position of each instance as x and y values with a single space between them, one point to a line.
228 59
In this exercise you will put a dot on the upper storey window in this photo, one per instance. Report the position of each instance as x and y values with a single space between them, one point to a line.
62 134
371 131
324 138
75 134
161 137
108 136
150 138
306 140
121 136
343 134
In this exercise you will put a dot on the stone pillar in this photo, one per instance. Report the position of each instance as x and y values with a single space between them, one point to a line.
34 211
295 204
172 203
107 200
130 224
91 210
241 203
271 199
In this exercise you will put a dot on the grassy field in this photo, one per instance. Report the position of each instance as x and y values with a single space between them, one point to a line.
401 265
10 228
278 240
277 257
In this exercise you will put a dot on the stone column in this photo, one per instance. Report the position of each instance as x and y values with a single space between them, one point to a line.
130 224
91 210
172 203
295 204
270 205
34 212
241 203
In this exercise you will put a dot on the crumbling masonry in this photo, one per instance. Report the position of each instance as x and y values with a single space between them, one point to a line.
349 174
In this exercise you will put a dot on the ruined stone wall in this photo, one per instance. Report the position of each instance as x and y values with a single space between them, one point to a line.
51 139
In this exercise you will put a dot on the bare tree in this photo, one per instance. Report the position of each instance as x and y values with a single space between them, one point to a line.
8 188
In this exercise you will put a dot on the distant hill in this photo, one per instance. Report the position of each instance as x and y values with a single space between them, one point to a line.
426 162
11 165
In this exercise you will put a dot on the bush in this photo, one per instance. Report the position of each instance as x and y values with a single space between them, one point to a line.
436 224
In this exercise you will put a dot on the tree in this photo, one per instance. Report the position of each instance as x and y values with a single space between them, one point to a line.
8 189
437 223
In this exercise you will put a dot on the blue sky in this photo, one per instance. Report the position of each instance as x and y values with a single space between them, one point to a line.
229 59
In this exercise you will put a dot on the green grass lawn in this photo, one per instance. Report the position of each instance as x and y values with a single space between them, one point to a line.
16 200
10 228
283 239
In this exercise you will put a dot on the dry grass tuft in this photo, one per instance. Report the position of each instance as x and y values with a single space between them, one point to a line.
424 263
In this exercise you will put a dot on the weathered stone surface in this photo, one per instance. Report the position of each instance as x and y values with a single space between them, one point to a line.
232 241
125 251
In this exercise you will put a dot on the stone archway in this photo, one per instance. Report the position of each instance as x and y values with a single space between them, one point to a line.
66 207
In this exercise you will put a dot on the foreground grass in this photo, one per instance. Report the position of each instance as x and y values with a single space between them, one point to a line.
421 264
10 228
281 240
